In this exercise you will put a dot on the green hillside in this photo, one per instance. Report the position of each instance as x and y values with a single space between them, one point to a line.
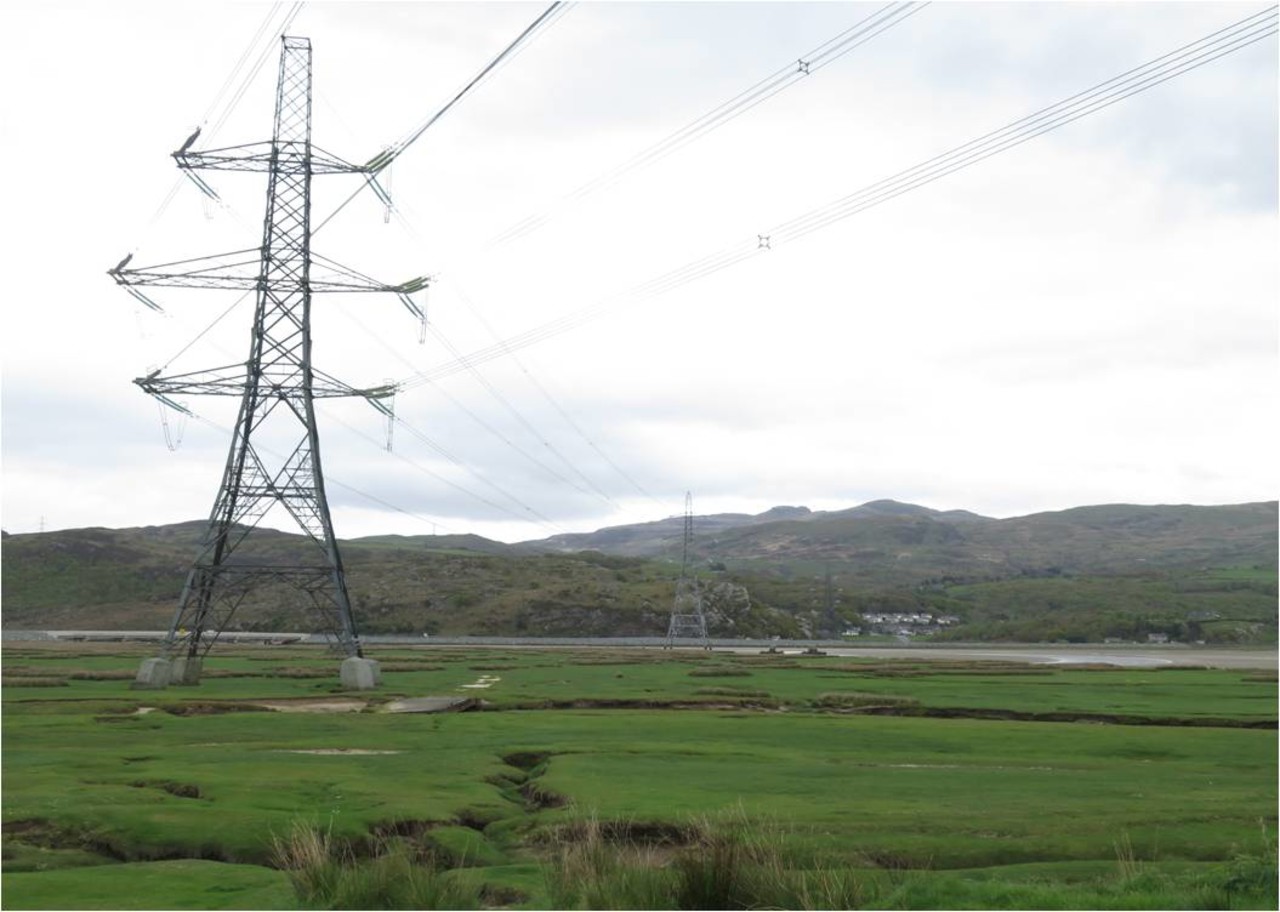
1085 575
132 578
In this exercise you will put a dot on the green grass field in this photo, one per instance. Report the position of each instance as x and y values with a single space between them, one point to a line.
912 784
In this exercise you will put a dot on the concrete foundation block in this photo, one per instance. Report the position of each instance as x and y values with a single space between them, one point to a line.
185 670
361 674
153 674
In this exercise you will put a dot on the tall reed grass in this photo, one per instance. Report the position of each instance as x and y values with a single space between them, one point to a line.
327 874
718 864
730 863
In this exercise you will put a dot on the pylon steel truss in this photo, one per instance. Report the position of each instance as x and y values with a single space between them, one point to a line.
687 619
276 385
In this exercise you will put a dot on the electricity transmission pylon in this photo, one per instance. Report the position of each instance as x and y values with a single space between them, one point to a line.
687 618
277 387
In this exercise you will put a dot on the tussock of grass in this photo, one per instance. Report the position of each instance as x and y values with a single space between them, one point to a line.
855 699
296 672
903 669
731 692
104 674
590 870
1263 677
712 866
719 671
177 789
7 681
731 863
326 874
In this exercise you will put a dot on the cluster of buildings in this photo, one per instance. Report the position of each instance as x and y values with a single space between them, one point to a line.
902 624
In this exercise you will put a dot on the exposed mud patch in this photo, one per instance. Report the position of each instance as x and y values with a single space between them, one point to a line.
48 835
312 706
211 709
526 760
433 705
476 818
628 832
497 896
529 792
177 789
537 798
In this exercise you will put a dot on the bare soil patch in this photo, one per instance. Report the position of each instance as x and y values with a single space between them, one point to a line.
313 706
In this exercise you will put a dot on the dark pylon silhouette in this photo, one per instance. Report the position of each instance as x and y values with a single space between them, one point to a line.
274 458
687 619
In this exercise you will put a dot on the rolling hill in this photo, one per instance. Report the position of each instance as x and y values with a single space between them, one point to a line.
1190 572
885 541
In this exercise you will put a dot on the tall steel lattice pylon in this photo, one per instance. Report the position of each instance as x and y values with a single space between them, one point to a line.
277 386
687 619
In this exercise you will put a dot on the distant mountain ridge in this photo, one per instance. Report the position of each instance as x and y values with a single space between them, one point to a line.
652 538
1088 572
889 541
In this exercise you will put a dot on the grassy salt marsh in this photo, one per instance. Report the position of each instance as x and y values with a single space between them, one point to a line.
609 779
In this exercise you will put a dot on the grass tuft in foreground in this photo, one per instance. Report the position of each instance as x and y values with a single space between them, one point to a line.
733 864
719 867
326 874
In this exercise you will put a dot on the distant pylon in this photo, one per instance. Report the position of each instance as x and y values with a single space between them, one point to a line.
687 619
274 458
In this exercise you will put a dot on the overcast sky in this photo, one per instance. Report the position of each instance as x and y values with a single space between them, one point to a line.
1087 318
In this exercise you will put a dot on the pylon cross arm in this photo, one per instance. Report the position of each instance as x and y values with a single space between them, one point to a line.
232 380
242 270
259 157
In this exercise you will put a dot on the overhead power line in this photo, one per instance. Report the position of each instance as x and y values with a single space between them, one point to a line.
384 158
806 65
1214 46
526 512
489 428
548 15
259 49
1182 60
524 422
809 63
552 400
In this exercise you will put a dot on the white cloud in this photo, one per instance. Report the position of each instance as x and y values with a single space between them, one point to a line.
1090 317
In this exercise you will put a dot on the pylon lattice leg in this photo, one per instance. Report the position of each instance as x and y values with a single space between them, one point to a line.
687 618
277 405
